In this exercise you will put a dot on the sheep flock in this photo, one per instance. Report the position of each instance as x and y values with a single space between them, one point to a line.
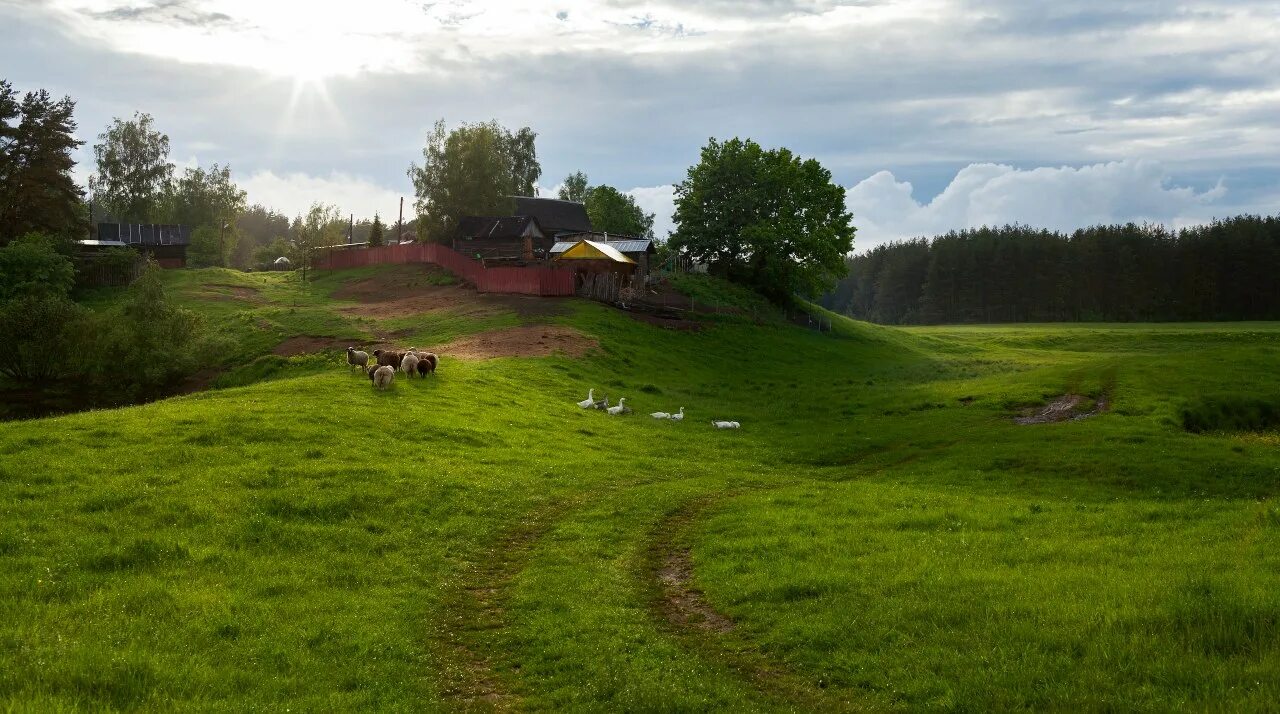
386 362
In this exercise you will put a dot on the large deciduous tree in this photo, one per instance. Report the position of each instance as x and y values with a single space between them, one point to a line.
766 218
37 191
612 211
471 170
134 174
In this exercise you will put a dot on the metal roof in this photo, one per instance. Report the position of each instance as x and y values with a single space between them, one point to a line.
554 216
591 250
636 245
106 243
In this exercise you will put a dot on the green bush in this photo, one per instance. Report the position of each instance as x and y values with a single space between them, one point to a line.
32 265
1231 412
39 337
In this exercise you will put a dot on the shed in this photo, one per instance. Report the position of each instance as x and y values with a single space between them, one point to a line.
588 256
166 243
640 250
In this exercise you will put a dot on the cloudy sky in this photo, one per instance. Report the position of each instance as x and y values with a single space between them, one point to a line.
935 114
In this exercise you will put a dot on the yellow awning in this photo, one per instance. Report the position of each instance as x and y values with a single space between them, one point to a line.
591 250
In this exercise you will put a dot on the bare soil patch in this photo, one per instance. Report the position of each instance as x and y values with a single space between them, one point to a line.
525 341
309 343
683 604
1068 407
410 290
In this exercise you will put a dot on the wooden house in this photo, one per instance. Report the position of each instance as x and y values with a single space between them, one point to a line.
502 238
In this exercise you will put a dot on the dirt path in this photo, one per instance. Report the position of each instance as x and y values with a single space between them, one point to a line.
475 612
683 610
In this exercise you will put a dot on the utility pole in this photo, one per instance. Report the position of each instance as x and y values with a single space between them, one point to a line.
351 230
222 245
400 221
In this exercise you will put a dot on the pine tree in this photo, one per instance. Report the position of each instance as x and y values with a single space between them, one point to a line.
375 232
37 192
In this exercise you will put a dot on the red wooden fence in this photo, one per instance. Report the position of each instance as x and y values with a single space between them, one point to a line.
525 281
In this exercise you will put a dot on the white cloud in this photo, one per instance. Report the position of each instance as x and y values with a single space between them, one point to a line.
660 201
293 194
1062 198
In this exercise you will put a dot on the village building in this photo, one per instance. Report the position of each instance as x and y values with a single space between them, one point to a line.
502 238
639 250
527 236
165 243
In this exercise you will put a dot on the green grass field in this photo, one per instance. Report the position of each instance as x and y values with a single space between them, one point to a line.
879 535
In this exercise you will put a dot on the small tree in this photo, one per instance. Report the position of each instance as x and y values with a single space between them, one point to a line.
323 225
375 232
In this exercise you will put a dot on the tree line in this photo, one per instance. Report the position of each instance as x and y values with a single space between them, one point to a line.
1224 270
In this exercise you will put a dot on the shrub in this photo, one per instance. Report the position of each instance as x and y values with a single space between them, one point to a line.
1231 412
32 265
37 333
150 344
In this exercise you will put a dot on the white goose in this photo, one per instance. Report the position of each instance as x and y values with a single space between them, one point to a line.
622 407
660 415
590 401
678 416
725 424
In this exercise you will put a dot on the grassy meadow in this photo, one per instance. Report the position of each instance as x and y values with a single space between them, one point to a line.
879 535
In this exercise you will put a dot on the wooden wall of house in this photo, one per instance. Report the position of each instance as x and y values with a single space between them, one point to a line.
500 247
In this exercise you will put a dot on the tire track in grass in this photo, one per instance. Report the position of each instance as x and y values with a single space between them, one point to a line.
474 613
682 610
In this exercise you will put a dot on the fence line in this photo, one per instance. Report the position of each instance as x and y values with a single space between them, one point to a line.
520 280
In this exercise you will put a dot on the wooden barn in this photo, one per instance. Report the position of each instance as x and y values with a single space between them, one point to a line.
502 239
166 243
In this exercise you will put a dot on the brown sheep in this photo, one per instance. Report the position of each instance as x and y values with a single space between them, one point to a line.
427 362
390 358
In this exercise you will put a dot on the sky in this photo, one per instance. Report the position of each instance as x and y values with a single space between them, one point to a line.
934 114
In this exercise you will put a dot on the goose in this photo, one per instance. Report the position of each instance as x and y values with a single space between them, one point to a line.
678 416
725 424
602 404
590 401
620 409
660 415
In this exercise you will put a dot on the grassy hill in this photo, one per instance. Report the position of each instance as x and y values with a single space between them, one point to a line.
880 534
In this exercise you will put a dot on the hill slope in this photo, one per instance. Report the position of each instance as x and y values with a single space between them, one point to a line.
879 534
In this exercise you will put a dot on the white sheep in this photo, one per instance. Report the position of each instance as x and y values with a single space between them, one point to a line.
356 358
409 365
382 376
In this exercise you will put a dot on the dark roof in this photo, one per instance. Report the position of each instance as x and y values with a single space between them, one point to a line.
495 226
145 233
622 244
555 216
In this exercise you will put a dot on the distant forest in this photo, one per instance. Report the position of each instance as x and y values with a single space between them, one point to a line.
1226 270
